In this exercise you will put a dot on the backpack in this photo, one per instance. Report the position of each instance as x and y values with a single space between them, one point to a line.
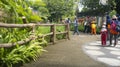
118 27
113 26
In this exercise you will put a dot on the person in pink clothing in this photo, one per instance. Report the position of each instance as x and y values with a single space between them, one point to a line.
103 35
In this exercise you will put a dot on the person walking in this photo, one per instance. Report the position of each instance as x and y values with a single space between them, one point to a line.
113 32
76 26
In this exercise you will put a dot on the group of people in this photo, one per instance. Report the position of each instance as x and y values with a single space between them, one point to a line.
110 30
90 25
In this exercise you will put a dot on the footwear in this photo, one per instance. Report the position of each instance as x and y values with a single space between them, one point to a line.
114 45
109 45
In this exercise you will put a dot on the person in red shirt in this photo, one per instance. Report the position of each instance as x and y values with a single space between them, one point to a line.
103 35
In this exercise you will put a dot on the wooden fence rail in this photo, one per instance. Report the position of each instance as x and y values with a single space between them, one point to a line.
52 33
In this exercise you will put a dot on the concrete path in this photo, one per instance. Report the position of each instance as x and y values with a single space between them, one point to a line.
107 55
80 51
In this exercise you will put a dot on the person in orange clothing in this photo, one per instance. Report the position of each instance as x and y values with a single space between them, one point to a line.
113 32
93 27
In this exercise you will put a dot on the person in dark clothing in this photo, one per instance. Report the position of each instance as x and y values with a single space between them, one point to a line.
118 25
108 22
85 27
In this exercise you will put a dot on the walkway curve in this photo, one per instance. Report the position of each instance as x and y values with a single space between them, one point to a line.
68 53
107 55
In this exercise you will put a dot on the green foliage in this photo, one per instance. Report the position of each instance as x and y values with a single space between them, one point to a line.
40 7
12 35
35 18
117 6
71 26
113 12
98 30
93 8
22 54
15 9
59 8
60 36
45 30
60 29
27 52
81 28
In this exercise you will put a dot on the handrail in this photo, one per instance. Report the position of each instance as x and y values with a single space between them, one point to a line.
25 25
52 33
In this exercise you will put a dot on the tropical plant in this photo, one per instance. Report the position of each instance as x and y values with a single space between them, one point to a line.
29 51
22 54
13 10
13 35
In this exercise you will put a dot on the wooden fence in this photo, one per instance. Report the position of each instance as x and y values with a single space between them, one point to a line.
52 33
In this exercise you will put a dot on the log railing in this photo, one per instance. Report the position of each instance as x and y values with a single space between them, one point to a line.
52 33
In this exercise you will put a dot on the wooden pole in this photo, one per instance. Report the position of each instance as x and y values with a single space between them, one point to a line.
51 30
68 31
54 33
53 36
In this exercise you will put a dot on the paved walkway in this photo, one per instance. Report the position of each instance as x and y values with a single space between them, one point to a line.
81 51
107 55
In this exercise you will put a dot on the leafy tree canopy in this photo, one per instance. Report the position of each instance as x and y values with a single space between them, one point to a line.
59 8
93 7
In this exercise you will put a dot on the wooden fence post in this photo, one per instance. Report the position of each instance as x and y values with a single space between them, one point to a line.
68 31
51 30
53 37
54 33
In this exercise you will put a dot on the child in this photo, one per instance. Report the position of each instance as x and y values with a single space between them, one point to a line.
103 35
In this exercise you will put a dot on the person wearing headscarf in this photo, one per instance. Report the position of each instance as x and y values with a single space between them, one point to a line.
113 32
